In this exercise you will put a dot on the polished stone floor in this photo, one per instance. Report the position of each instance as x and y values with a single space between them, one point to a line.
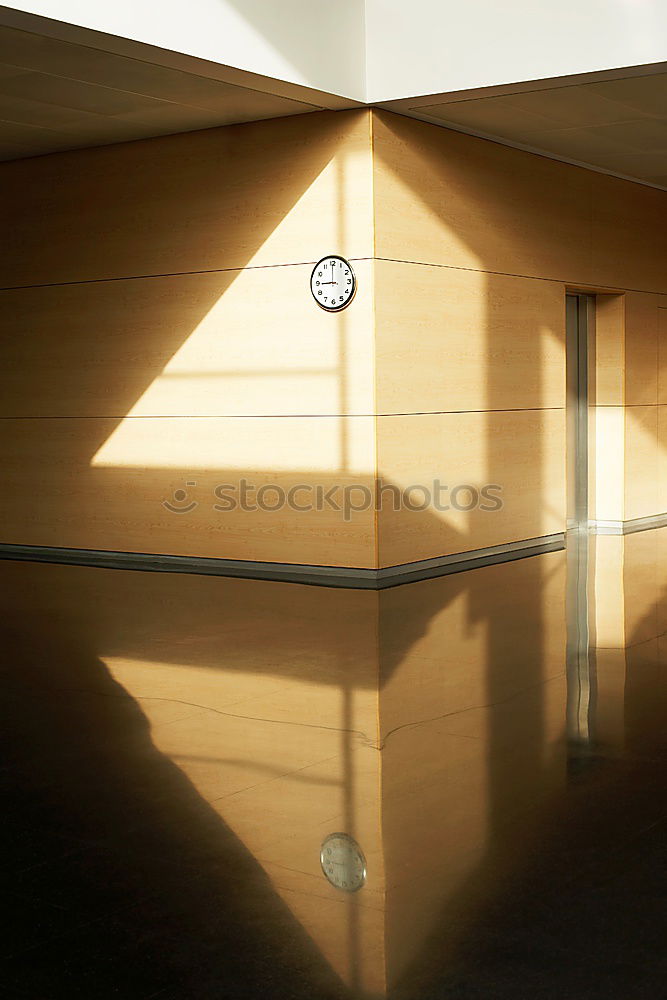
176 749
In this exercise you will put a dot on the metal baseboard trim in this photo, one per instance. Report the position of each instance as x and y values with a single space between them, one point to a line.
629 527
326 576
459 562
356 578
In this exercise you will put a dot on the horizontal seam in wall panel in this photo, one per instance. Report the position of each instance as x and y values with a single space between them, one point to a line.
610 289
500 409
169 274
282 416
203 416
623 406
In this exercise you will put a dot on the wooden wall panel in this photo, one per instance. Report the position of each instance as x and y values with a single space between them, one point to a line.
169 297
608 386
643 445
629 234
442 197
156 314
607 450
520 451
100 484
275 192
229 343
662 351
464 226
641 462
641 349
451 339
662 457
626 421
468 229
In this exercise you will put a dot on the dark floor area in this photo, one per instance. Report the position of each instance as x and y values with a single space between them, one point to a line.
175 748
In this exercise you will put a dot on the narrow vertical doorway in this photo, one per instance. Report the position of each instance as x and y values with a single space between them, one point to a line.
580 331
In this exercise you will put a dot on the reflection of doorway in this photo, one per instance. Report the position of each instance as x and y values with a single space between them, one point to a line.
580 330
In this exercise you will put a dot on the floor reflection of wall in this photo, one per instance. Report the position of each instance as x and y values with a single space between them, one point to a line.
472 718
426 721
280 738
631 622
264 697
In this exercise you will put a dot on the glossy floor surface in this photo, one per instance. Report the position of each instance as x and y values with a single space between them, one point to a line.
175 750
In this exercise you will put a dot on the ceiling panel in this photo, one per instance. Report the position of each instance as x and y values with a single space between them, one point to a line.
614 125
57 95
645 94
573 106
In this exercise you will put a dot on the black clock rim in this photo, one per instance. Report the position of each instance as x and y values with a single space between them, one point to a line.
344 305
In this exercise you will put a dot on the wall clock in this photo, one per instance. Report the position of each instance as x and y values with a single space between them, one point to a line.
343 862
333 283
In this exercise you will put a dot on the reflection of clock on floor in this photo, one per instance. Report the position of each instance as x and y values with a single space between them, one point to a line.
343 862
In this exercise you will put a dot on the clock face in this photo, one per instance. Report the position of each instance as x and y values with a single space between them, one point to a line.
333 283
343 862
